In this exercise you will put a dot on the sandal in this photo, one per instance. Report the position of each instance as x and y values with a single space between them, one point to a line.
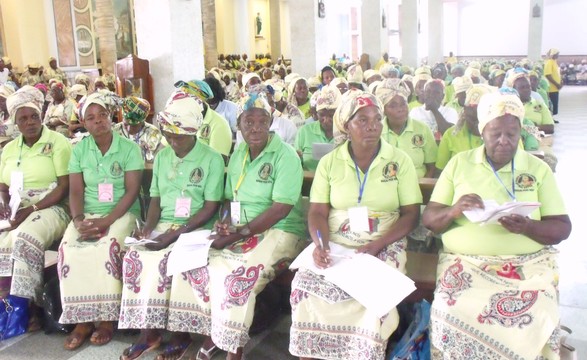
204 354
77 338
136 351
102 335
179 350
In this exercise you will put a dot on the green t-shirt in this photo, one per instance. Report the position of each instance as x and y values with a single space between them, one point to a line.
215 132
416 140
307 135
305 109
537 113
198 176
41 164
391 180
122 156
468 172
274 176
450 144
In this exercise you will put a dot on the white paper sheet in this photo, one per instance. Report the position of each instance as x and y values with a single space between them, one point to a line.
131 241
493 211
14 204
374 284
189 252
321 149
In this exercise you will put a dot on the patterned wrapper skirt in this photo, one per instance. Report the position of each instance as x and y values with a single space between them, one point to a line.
225 290
496 307
90 273
150 298
327 323
22 250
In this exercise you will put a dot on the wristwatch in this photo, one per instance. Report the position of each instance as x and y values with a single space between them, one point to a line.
245 231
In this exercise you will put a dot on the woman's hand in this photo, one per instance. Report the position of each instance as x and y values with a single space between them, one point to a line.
91 229
516 224
465 203
321 258
221 241
162 241
4 211
21 216
222 228
371 248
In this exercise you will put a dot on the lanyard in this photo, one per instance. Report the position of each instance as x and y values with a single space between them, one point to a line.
511 194
242 177
362 184
20 154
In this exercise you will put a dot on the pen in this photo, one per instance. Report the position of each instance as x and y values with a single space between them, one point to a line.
224 216
330 254
320 239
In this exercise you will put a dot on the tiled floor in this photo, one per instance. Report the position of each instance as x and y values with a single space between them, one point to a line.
571 149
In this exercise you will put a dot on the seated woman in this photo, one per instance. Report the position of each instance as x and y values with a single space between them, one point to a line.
318 132
411 136
299 96
326 322
34 167
190 173
263 185
60 110
105 176
497 283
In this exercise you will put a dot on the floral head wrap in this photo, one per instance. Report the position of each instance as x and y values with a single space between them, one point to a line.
373 86
351 102
476 92
197 88
462 84
183 114
135 110
513 75
494 105
27 96
389 88
354 74
105 98
389 71
253 100
77 90
328 98
58 85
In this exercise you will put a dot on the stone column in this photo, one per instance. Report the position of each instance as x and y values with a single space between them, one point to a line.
535 30
373 35
174 45
242 29
275 11
210 44
409 28
435 32
309 49
104 24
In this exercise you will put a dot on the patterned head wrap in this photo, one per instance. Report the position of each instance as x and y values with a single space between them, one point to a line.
253 100
51 59
82 79
42 87
105 98
197 88
354 74
368 73
373 86
6 91
513 75
77 90
552 52
495 73
462 84
34 65
58 85
475 65
476 92
135 110
27 96
328 98
494 105
419 77
248 76
407 78
472 72
351 102
215 74
388 71
183 114
423 70
389 88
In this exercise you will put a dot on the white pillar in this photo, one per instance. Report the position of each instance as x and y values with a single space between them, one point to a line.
173 45
409 33
535 31
435 31
275 13
309 48
242 30
374 36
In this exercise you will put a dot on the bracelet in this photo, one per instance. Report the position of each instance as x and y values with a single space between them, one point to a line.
35 207
77 217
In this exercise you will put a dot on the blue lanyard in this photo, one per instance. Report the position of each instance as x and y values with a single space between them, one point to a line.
512 193
362 184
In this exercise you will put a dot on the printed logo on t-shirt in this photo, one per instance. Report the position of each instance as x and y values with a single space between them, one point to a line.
525 182
538 108
390 171
205 132
196 175
116 169
47 149
418 140
265 172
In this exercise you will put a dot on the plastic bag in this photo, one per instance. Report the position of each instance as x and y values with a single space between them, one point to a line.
415 343
52 308
14 316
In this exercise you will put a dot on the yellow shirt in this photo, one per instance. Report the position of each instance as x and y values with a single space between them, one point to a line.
416 140
551 68
391 180
41 164
538 113
452 144
215 132
469 172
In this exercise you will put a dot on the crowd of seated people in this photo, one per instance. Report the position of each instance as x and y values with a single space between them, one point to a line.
228 153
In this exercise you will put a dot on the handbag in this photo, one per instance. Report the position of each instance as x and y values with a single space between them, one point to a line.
14 316
415 343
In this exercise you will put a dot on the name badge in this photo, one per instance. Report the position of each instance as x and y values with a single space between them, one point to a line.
105 192
183 207
235 213
359 219
16 181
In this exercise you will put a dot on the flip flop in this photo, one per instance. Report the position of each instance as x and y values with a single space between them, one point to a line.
77 339
136 351
207 353
170 349
101 333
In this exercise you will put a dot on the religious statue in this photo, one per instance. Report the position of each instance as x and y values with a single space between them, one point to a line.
259 24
